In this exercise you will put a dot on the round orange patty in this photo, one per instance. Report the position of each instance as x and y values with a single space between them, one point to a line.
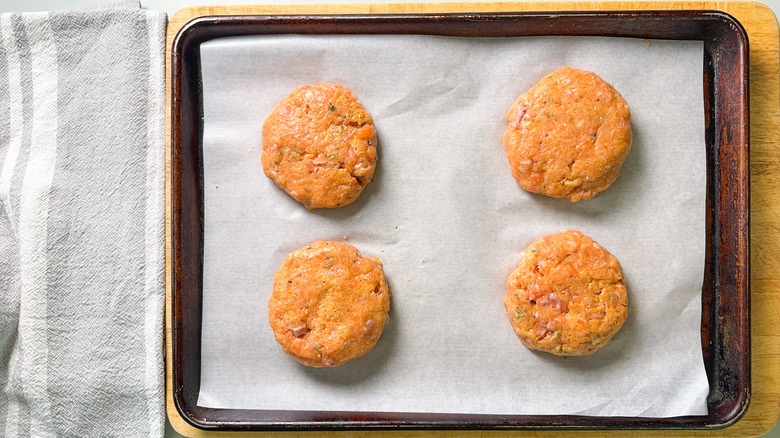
329 304
319 145
568 136
567 296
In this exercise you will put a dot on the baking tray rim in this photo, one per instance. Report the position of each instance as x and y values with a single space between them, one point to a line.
727 140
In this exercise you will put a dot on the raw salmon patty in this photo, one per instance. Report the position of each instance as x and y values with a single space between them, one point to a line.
568 136
329 304
319 145
567 296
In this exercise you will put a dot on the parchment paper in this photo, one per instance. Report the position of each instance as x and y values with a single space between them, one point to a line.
449 223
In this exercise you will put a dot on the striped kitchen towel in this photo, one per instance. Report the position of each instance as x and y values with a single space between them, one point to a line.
81 223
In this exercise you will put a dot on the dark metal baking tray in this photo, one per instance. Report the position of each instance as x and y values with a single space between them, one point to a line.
725 327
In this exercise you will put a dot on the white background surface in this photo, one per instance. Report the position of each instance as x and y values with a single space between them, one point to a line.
171 6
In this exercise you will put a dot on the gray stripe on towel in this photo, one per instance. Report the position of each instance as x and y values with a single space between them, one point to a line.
4 97
9 265
23 47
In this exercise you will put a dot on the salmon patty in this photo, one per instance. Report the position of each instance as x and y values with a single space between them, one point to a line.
567 296
568 136
319 146
329 304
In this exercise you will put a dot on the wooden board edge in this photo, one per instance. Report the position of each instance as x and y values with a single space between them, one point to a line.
762 28
181 17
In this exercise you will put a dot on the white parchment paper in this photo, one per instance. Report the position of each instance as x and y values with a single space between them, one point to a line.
449 223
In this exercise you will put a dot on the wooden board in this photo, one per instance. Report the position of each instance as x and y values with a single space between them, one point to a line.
762 29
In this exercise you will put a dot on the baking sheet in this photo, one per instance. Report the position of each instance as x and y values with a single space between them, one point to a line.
449 223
